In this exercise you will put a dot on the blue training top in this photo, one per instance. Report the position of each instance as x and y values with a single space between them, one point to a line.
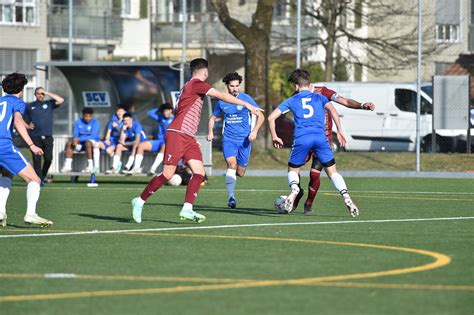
163 122
308 112
237 119
132 132
9 104
86 131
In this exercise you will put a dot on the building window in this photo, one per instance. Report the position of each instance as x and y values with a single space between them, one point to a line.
24 12
357 72
126 8
358 13
447 33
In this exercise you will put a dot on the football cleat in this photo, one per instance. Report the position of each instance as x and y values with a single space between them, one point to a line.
136 210
87 170
289 202
151 173
308 208
192 216
36 219
112 171
66 169
297 199
232 203
3 219
135 171
124 171
351 207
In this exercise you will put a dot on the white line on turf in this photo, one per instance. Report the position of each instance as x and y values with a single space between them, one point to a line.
216 227
259 190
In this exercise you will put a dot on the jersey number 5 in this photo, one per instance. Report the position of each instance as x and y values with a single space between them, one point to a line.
307 106
3 110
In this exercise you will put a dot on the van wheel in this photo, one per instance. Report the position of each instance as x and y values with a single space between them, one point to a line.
428 148
336 146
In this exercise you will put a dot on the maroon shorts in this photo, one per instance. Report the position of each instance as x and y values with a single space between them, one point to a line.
181 146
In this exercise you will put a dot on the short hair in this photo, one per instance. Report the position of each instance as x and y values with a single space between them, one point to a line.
127 114
14 83
120 106
198 64
165 106
38 88
232 76
87 110
299 77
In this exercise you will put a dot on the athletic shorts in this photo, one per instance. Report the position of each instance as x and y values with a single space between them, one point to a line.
311 154
81 146
11 158
113 143
156 145
240 150
181 146
304 144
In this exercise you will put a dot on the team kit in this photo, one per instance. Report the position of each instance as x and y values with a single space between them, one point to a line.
176 146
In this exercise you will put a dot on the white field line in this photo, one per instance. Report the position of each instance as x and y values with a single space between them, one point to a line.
217 227
138 189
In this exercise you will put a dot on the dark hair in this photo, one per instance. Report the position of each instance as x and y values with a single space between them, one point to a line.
232 76
165 106
14 83
87 110
300 77
38 88
120 106
198 63
127 114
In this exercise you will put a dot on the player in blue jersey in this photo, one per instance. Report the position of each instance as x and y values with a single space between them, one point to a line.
164 116
86 133
308 111
131 136
238 132
112 137
12 162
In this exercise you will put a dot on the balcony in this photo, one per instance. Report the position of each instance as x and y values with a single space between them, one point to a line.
88 22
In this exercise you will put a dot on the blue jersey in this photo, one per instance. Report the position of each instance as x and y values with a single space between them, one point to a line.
237 119
86 131
9 105
163 122
136 129
114 131
308 112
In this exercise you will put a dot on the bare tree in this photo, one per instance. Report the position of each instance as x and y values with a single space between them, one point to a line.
256 41
388 45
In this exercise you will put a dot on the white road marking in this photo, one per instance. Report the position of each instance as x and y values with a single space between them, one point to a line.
216 227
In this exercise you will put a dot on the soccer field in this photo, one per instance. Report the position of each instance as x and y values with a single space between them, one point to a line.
410 251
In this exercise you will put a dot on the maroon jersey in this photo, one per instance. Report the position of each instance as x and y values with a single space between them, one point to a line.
188 112
331 95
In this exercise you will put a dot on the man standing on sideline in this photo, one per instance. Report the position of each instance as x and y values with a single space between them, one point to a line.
12 162
238 133
39 116
182 144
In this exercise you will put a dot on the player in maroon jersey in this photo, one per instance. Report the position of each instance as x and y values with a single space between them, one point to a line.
316 167
181 142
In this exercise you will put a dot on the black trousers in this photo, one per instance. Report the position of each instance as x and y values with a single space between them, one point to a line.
45 143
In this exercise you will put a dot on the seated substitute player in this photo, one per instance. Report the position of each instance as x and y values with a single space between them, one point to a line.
164 116
237 131
112 136
131 136
316 166
12 162
86 134
309 135
182 144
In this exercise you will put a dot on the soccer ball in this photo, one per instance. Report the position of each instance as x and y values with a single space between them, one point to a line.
175 180
280 204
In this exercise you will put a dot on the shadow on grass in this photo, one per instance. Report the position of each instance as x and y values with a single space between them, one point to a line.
118 219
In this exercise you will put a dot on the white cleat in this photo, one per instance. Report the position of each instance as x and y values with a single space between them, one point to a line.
66 169
351 207
36 219
87 170
135 171
3 219
291 199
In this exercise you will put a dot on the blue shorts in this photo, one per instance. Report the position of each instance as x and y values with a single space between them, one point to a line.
113 143
12 159
304 144
241 150
82 146
156 145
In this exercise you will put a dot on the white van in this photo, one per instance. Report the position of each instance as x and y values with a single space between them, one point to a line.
392 126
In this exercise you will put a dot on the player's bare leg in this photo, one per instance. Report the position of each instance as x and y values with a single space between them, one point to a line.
142 148
153 185
116 160
187 212
340 185
158 161
28 174
89 153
